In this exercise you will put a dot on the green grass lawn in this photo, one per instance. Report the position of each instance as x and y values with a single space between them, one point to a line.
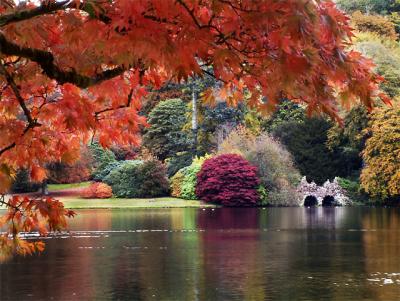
114 203
75 202
55 187
167 202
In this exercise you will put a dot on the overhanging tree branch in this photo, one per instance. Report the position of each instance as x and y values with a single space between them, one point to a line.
45 8
127 105
45 60
49 8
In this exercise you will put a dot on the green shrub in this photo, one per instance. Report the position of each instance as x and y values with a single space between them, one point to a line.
103 172
368 6
263 193
154 180
395 19
188 190
178 162
138 179
386 57
122 180
183 183
101 159
353 190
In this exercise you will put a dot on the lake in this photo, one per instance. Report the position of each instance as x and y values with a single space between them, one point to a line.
215 254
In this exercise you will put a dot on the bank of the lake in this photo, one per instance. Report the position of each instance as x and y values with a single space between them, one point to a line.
69 194
72 202
116 203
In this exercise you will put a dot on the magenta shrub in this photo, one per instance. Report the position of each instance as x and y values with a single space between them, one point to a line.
228 180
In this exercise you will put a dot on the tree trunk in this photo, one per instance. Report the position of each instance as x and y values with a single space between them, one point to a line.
194 122
45 189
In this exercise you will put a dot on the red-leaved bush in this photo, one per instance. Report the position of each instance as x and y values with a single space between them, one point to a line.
97 190
228 180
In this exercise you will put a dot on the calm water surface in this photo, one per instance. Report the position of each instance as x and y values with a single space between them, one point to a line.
220 254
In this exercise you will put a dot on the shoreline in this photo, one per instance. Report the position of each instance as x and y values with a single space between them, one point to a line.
71 202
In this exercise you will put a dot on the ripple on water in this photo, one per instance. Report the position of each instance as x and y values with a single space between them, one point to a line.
379 278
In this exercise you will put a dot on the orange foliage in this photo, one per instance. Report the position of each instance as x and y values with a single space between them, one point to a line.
59 72
97 191
24 215
71 70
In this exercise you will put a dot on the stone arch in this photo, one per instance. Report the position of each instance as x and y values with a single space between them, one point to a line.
328 201
310 201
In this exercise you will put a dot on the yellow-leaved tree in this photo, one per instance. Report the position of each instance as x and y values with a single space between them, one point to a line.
380 176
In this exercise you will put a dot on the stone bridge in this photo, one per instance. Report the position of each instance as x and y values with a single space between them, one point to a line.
329 194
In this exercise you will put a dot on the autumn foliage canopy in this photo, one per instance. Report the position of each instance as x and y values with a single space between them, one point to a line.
71 70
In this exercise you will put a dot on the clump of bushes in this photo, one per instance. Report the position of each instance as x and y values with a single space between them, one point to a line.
105 170
135 179
278 175
353 190
374 23
176 184
97 190
386 58
22 183
101 160
183 183
178 162
228 180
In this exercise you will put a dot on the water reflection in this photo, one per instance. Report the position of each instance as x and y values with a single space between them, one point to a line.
220 254
382 250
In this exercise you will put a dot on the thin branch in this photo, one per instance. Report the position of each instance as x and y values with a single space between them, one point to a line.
21 101
7 204
213 75
191 13
236 8
222 37
127 105
31 122
10 146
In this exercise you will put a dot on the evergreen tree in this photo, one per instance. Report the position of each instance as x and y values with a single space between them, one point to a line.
165 136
